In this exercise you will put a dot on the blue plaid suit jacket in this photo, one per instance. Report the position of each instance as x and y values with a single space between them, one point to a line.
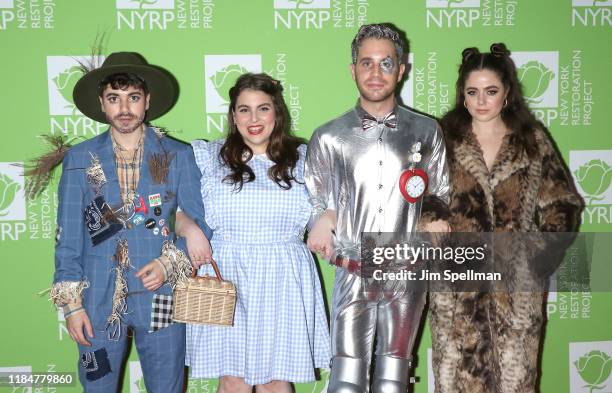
77 259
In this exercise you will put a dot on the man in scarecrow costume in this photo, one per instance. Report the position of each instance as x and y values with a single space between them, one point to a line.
378 168
115 247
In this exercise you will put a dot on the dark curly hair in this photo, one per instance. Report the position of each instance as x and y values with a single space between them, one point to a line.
282 148
515 114
121 81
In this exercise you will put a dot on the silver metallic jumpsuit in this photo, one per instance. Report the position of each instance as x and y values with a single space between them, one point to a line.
356 173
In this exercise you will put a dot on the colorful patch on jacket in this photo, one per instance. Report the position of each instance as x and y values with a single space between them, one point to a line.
97 220
95 364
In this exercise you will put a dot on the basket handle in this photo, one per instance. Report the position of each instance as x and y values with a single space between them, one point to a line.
215 268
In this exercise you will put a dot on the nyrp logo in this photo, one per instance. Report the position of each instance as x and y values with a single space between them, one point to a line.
16 370
12 201
452 13
137 384
63 72
554 90
452 4
469 13
301 14
592 172
145 14
590 366
163 14
592 13
145 4
12 196
220 74
538 72
27 14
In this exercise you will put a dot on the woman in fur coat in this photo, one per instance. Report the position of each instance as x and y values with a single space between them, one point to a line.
506 176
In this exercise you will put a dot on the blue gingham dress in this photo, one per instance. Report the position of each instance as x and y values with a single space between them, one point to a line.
280 327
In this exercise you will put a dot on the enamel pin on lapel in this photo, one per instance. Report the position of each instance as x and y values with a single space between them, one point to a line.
155 200
140 206
413 182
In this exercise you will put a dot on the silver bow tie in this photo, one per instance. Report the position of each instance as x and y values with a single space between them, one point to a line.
369 121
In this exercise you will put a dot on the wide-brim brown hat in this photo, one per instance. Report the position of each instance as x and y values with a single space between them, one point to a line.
162 86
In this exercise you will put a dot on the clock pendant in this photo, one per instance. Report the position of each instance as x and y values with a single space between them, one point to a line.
413 184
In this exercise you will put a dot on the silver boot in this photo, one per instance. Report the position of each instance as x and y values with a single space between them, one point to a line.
348 375
391 375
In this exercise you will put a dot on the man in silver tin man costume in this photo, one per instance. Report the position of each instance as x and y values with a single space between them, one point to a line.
377 168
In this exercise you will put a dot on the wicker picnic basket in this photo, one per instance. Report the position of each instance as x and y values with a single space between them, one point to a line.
205 300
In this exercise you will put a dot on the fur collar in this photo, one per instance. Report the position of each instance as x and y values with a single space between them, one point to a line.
469 155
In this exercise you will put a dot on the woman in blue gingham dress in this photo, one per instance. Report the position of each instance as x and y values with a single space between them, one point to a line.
280 330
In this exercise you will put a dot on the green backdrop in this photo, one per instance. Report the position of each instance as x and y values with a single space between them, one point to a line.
560 46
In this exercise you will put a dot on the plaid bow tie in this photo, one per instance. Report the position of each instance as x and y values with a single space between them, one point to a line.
368 121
